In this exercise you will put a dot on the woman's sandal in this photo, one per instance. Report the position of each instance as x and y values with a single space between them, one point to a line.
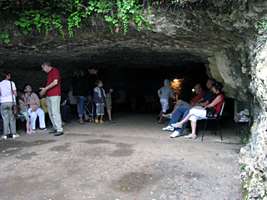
190 136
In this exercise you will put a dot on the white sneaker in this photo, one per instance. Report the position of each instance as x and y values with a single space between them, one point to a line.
175 134
4 137
15 136
168 128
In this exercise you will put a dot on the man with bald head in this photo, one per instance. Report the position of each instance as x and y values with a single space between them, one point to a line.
52 90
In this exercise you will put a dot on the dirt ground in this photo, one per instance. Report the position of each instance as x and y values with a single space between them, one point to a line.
131 159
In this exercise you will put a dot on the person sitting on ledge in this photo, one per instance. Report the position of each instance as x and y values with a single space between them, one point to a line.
181 110
32 100
23 112
199 112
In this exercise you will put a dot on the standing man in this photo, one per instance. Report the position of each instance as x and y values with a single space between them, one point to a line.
8 95
52 90
92 78
80 90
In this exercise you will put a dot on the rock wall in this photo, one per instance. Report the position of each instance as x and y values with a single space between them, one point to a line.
219 33
253 157
223 69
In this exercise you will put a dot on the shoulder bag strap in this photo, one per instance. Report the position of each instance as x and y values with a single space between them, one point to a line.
12 93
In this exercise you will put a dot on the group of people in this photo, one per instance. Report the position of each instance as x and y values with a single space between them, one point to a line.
30 105
88 93
204 104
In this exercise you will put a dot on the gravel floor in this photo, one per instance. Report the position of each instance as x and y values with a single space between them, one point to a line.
131 159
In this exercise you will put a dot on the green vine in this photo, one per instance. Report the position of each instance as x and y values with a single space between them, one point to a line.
40 21
262 25
69 15
4 38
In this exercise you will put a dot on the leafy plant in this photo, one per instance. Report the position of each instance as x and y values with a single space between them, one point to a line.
46 16
262 25
39 20
4 38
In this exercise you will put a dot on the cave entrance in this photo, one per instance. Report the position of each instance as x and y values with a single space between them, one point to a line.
134 76
136 84
135 87
137 74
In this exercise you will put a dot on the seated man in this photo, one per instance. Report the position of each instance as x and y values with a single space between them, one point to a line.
208 96
197 113
199 95
181 109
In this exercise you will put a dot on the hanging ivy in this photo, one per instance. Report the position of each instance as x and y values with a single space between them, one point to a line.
65 16
4 38
39 21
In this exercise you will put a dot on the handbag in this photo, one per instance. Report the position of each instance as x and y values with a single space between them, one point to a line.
14 108
211 112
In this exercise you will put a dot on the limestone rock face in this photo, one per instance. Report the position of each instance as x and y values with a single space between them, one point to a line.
253 156
219 33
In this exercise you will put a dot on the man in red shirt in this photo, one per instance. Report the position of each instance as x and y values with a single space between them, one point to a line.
199 93
52 90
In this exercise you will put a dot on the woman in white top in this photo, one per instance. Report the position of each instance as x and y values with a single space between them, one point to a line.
8 99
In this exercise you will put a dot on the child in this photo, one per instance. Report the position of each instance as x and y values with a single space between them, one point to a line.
24 112
109 103
164 93
99 100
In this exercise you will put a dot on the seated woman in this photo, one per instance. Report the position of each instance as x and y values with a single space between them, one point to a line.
198 112
23 108
181 110
32 101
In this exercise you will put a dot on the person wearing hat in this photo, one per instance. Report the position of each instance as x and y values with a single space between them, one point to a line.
32 100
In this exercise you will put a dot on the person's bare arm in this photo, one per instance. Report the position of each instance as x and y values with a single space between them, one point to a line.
217 100
48 87
159 93
51 85
14 89
200 100
15 93
36 100
204 103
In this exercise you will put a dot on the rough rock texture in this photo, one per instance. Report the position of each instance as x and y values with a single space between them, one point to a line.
220 34
253 157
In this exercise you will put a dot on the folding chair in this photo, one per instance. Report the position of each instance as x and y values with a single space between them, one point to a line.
215 119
